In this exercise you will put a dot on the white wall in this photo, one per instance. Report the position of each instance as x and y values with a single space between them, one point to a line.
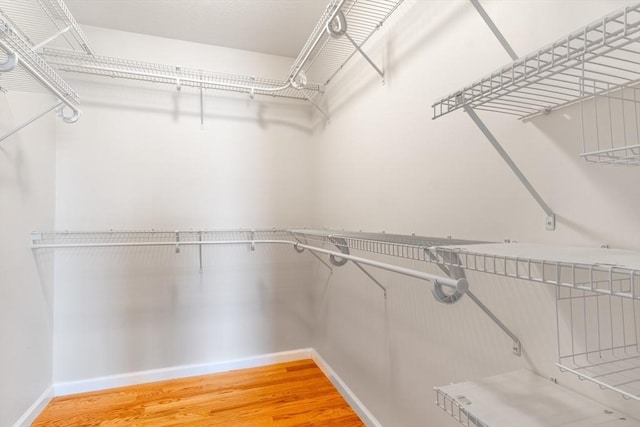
27 202
383 164
139 159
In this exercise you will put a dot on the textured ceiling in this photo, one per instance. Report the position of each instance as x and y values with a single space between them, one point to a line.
277 27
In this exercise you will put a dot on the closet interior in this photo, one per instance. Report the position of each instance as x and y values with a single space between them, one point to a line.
586 296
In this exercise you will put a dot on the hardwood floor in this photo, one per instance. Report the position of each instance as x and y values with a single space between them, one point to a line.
286 394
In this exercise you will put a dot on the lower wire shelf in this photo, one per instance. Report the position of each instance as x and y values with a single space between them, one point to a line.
524 399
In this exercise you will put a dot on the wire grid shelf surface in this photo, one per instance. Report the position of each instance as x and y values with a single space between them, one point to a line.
523 399
599 339
457 410
42 239
403 246
31 64
610 119
324 55
175 76
602 271
606 51
45 21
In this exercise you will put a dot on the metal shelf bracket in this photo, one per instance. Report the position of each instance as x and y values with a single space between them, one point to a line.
337 28
550 220
10 63
456 272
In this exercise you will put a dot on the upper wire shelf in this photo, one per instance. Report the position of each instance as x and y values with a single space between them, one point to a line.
34 73
324 54
606 51
175 76
45 22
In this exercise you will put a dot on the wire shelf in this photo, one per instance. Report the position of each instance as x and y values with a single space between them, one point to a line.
606 51
323 56
41 74
42 239
523 399
174 76
610 119
412 247
45 22
599 340
601 271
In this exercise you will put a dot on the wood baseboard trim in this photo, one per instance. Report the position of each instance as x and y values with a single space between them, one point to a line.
356 404
175 372
35 409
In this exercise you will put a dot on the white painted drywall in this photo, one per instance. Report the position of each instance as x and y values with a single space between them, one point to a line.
140 159
383 164
27 202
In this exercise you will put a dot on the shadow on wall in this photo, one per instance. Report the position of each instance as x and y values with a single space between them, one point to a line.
122 310
186 104
572 131
402 37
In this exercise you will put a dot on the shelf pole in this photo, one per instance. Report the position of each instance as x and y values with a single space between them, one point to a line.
517 346
494 29
550 222
370 276
364 55
28 122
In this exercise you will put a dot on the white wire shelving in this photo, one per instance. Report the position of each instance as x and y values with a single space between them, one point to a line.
601 271
200 238
25 28
45 23
598 302
606 51
610 124
179 77
523 399
343 29
599 339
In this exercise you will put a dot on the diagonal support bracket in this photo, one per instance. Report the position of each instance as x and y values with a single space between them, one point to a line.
550 221
494 29
457 272
370 276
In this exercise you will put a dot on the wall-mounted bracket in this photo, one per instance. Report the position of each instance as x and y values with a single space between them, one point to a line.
550 221
370 276
494 29
177 242
10 63
52 38
28 122
338 28
342 246
455 272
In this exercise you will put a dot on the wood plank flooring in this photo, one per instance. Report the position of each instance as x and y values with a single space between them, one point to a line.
286 394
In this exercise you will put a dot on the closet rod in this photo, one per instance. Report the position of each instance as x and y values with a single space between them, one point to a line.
460 285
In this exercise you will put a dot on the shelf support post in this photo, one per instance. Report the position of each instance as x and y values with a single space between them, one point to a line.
494 29
370 276
28 122
456 272
365 56
550 222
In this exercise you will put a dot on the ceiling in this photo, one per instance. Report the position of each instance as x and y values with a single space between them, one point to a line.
277 27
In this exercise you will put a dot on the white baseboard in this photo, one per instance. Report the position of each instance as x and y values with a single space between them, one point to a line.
356 404
133 378
35 409
174 372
